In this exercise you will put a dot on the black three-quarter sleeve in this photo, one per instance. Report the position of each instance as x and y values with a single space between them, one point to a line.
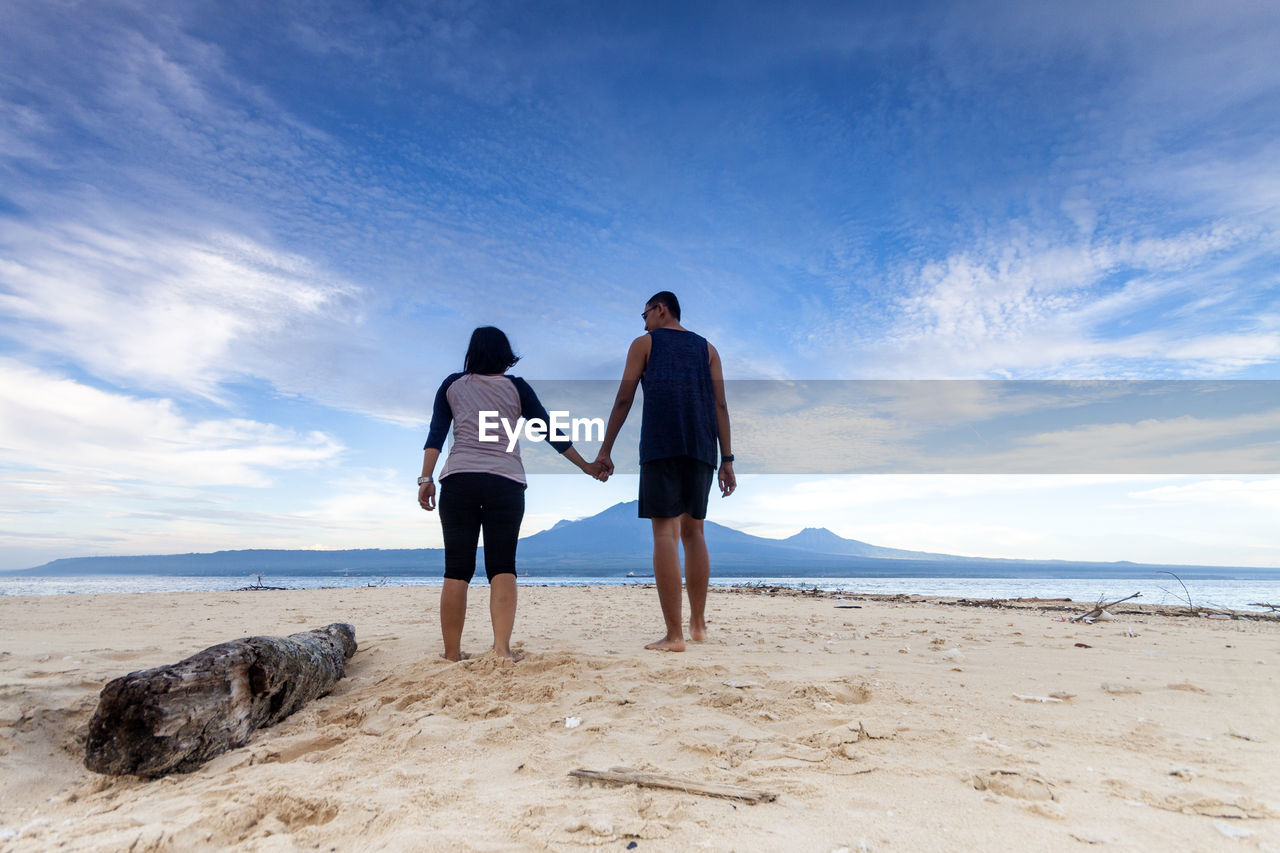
531 407
441 415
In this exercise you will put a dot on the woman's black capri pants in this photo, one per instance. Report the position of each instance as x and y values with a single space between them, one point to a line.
470 502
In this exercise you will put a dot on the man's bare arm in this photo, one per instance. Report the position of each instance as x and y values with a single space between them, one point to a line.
637 360
727 481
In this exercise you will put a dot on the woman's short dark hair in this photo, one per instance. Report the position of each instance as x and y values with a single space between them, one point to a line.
489 352
667 298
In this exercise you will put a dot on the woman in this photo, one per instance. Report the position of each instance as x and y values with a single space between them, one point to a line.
482 484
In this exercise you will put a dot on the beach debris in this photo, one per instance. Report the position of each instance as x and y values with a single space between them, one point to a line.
1083 646
628 776
175 718
1099 612
1062 695
1088 839
1187 687
742 685
1244 736
848 733
1191 608
1045 699
572 722
1119 689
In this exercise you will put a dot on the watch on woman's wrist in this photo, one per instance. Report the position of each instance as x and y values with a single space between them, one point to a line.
422 480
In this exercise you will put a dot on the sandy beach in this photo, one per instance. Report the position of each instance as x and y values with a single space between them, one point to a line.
879 725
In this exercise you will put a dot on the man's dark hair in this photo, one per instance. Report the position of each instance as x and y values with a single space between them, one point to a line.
667 298
489 352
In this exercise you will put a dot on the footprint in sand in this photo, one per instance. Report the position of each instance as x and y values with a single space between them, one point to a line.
310 749
1015 784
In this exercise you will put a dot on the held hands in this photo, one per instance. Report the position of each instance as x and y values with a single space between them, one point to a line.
598 470
604 465
427 496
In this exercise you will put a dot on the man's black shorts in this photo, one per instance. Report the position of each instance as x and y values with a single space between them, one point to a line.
672 487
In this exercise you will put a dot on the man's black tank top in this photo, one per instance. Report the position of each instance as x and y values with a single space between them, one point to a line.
679 415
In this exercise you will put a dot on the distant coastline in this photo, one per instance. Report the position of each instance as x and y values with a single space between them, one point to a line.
612 544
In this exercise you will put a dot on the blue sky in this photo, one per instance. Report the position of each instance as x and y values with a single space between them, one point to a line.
240 246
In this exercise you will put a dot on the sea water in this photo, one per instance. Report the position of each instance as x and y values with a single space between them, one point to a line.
1235 594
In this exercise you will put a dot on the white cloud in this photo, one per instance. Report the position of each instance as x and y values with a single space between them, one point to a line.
378 506
1031 305
53 424
1221 494
157 310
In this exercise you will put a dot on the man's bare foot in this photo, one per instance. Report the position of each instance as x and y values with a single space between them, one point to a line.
667 644
461 656
698 633
514 657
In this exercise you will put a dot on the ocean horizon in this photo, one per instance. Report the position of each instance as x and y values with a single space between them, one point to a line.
1243 594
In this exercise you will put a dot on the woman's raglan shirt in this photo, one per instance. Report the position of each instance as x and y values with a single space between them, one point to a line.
460 400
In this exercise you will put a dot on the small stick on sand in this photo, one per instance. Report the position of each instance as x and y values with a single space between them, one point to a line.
627 776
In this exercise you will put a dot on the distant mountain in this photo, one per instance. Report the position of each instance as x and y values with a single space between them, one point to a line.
822 541
365 561
615 542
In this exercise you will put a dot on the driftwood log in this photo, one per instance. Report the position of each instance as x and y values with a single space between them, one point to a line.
176 717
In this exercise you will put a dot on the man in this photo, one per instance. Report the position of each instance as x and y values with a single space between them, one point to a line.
683 418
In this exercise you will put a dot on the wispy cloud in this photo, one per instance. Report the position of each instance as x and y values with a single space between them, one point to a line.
158 310
1036 306
53 424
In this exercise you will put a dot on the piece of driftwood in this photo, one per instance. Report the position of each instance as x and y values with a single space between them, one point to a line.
627 776
174 718
1100 608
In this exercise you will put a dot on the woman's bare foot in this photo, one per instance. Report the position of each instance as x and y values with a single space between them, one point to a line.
667 644
698 633
510 655
461 656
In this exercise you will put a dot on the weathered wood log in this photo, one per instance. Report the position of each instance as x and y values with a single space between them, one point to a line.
174 718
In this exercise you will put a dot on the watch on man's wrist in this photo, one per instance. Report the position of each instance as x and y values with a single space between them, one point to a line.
422 480
724 459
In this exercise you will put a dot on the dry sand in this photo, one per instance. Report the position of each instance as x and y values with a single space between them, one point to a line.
880 725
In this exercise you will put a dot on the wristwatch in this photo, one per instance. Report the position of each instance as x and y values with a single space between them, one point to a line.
728 458
422 480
